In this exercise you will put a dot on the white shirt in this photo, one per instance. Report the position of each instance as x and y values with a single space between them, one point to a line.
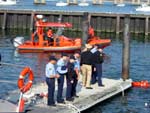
50 70
60 64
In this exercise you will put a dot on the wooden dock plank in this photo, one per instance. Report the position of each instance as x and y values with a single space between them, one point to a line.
87 98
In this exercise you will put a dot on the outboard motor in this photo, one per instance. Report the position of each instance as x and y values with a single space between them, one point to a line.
18 41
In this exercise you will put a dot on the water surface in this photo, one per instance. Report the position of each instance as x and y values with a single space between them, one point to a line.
134 100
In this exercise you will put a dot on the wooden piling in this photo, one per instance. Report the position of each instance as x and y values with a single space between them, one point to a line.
117 24
146 25
126 49
85 27
39 2
4 20
31 21
15 19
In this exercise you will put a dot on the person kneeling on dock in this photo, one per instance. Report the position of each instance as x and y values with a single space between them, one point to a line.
50 79
71 79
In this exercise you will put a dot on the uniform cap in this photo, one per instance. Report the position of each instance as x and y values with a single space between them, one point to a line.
52 58
64 54
72 57
88 46
100 47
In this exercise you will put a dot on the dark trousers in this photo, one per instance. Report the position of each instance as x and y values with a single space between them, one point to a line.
69 89
99 73
74 85
51 89
60 88
94 75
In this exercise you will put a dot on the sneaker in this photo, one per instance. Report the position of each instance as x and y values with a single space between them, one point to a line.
69 99
52 105
63 102
76 96
89 88
101 85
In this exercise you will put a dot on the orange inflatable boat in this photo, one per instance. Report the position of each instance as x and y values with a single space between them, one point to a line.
53 42
142 84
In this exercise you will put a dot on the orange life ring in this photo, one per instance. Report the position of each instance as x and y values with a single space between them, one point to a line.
21 84
143 83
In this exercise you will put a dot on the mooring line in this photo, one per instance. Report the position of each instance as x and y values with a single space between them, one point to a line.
74 108
10 64
122 90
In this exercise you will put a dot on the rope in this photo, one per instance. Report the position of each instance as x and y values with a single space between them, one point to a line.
74 108
122 90
13 65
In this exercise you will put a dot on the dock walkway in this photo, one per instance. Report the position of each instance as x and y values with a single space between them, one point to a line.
87 97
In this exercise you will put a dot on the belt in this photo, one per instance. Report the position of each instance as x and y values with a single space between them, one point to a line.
87 64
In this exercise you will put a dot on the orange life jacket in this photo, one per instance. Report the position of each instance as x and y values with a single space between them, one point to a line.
49 33
91 31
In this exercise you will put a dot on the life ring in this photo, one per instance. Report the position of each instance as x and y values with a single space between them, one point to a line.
143 83
21 84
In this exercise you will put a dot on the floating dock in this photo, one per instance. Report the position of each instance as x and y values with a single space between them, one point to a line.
87 97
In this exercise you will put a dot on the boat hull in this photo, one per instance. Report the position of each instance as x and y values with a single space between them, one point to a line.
30 47
37 49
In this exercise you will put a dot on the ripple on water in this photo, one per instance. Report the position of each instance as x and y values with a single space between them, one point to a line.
133 102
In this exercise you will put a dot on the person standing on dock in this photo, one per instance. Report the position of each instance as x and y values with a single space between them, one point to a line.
71 78
94 75
50 79
86 66
98 60
62 71
77 69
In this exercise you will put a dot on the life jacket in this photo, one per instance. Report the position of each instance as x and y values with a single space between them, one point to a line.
49 33
91 32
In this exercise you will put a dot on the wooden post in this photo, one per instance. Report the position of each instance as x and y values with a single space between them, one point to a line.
100 1
117 24
126 49
94 1
146 25
115 1
15 23
148 2
39 1
85 27
136 2
4 20
31 21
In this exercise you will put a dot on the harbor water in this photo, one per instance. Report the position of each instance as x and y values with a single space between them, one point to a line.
136 100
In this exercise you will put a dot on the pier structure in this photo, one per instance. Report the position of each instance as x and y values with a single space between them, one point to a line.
101 22
104 18
100 2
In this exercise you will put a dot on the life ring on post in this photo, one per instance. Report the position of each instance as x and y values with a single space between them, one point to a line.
21 84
